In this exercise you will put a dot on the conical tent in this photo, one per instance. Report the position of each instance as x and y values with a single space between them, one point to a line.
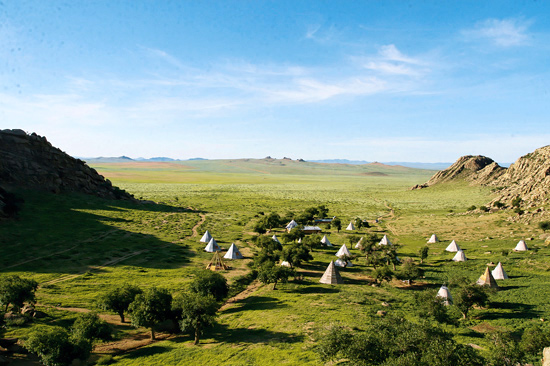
217 264
331 275
433 239
487 279
445 294
340 263
285 264
343 251
291 225
350 226
212 246
385 241
499 273
358 245
326 241
206 237
453 247
459 256
233 253
300 240
521 246
274 237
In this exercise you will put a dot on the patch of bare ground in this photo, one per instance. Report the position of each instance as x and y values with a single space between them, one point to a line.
195 228
486 328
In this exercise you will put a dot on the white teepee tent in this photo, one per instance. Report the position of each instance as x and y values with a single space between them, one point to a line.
206 237
212 246
340 263
291 225
274 237
350 226
499 273
300 240
487 279
385 241
285 264
343 251
459 256
453 247
331 275
233 253
358 245
445 294
521 246
433 239
325 241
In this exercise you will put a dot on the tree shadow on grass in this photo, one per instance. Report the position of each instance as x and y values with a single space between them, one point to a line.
147 351
316 290
519 311
223 333
255 303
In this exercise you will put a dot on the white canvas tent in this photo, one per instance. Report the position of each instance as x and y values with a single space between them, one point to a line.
521 246
445 294
291 225
206 237
358 245
274 237
487 279
350 226
212 246
340 263
499 273
233 253
433 239
300 240
325 241
385 241
453 247
459 256
343 251
285 264
331 275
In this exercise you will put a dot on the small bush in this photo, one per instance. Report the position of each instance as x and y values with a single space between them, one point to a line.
472 207
484 208
499 204
544 225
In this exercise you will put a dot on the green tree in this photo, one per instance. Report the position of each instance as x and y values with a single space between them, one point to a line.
337 223
410 271
504 350
16 291
272 220
429 305
423 253
469 295
322 211
544 225
151 307
499 204
358 223
312 241
267 242
296 254
383 273
516 202
89 326
210 283
55 347
270 272
118 299
534 339
259 227
293 235
197 312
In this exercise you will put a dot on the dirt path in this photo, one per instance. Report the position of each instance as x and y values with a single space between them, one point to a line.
242 295
194 229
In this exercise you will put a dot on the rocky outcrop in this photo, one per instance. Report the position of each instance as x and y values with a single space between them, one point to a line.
528 178
30 161
479 169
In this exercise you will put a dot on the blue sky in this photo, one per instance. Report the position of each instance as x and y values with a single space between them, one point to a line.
424 81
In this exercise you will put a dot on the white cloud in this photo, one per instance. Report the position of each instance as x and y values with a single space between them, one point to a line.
390 61
504 33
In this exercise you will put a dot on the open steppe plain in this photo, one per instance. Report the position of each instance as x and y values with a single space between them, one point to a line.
78 246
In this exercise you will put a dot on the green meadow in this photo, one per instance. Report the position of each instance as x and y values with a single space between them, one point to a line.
78 246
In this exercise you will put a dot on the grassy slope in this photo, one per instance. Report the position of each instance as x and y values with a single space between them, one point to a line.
269 327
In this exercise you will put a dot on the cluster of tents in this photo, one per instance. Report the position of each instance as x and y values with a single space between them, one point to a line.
212 246
292 224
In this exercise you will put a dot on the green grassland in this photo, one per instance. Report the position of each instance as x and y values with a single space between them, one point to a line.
77 246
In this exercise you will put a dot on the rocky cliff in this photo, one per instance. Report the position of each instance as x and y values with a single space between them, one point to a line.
527 178
30 161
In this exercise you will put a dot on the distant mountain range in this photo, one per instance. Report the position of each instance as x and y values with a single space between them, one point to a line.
122 159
